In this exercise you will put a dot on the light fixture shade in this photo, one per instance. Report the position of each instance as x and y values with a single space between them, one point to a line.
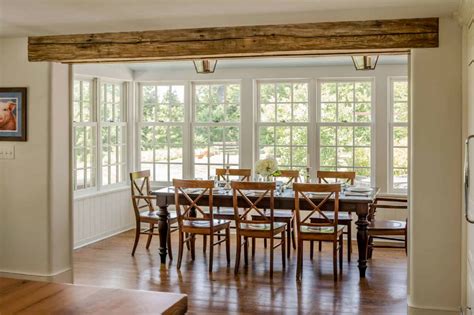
365 62
205 65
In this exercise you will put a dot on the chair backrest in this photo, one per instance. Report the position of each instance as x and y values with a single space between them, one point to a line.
387 203
140 192
244 174
183 188
323 176
293 176
303 191
257 191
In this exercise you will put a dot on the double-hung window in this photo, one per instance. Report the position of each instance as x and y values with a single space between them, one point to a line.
399 135
345 127
113 133
84 135
161 129
283 122
215 127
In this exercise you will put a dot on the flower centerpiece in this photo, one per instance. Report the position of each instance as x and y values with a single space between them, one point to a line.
267 168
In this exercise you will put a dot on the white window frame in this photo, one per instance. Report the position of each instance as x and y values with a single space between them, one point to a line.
184 125
224 124
391 124
96 122
258 123
123 124
371 124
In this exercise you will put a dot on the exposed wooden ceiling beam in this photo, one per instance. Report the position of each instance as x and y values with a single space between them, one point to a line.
242 41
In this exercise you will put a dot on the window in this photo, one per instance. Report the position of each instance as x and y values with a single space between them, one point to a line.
283 121
399 135
216 127
161 131
99 134
345 127
84 136
113 133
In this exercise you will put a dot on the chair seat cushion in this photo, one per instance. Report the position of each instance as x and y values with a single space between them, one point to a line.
278 215
205 223
387 225
277 226
154 215
322 229
341 216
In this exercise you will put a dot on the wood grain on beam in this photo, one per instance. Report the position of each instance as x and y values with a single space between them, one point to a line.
241 41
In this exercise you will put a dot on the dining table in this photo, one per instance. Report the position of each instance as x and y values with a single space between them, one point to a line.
350 200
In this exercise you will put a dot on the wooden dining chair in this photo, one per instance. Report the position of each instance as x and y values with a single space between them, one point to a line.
329 230
240 174
142 199
285 216
193 220
391 230
345 218
253 193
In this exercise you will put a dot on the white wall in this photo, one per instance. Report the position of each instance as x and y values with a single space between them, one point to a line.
34 208
436 179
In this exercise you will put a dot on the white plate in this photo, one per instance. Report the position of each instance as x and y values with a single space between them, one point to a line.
359 189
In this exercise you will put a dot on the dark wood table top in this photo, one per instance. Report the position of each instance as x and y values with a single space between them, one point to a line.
34 297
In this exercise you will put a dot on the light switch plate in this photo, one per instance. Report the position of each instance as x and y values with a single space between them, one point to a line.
7 152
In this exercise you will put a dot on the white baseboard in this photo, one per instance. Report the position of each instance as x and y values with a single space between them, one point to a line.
102 236
62 276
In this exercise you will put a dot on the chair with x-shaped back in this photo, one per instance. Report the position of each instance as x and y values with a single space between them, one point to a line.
141 199
328 230
256 196
193 220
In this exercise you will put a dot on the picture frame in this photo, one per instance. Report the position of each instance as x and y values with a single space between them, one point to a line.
13 114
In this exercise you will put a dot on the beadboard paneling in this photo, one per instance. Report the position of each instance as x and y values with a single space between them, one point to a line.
101 216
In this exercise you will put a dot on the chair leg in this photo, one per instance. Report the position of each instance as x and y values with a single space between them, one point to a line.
264 243
246 251
299 260
211 250
204 243
293 235
152 227
283 248
311 250
192 241
170 250
227 245
271 256
180 249
320 246
188 246
341 248
349 241
370 248
288 236
137 237
334 259
237 254
406 237
253 247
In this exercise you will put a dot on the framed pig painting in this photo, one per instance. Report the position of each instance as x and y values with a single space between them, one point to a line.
13 114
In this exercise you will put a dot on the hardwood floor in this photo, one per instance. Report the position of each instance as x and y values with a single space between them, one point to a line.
108 263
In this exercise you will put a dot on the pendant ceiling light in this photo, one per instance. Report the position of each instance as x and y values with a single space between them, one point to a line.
365 62
205 65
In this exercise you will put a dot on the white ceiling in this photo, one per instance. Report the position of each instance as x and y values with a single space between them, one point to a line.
265 63
41 17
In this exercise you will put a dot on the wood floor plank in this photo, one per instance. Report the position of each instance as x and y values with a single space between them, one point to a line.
384 290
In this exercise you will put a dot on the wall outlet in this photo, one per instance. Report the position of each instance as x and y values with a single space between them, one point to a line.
7 152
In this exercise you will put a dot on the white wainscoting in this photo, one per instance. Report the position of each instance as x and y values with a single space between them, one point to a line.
102 215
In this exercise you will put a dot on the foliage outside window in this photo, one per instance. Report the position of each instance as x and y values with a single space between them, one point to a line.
345 127
283 120
216 127
161 130
84 136
399 135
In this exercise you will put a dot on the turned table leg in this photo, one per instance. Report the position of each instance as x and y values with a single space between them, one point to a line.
163 227
362 237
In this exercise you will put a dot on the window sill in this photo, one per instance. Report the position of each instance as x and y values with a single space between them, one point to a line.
104 191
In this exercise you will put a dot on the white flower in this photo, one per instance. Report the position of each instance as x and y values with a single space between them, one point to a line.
266 167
